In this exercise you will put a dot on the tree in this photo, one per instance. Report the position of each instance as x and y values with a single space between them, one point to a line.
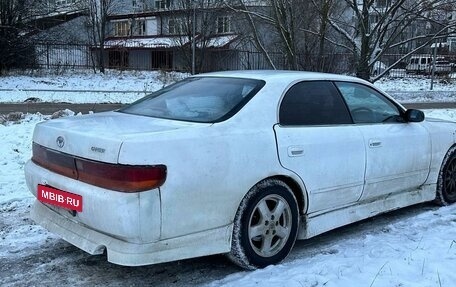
98 25
370 28
98 12
274 27
290 29
195 23
321 28
15 28
21 22
252 32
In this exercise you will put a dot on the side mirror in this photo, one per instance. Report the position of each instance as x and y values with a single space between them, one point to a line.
414 116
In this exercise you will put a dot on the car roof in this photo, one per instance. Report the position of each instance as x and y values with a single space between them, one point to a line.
278 75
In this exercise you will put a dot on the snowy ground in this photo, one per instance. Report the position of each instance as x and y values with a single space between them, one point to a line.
78 86
415 246
128 86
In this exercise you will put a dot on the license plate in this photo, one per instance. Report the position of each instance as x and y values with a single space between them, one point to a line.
59 198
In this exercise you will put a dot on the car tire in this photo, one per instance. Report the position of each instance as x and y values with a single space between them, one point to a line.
446 183
265 225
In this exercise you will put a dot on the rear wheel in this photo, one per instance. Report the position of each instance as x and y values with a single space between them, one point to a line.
446 184
265 225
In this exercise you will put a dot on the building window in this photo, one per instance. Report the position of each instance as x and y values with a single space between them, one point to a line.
122 28
176 27
64 2
139 28
381 3
223 24
162 4
137 4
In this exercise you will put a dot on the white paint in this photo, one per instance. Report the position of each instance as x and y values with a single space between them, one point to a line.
401 161
315 224
336 182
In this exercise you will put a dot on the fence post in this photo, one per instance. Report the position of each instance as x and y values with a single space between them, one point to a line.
433 64
47 56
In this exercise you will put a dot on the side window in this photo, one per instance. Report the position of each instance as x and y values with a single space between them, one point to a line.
366 105
313 103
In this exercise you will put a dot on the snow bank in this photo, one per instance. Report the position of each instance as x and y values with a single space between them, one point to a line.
415 84
394 250
81 86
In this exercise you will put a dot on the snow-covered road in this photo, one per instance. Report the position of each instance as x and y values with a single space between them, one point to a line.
411 247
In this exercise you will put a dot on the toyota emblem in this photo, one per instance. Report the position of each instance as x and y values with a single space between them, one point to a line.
60 142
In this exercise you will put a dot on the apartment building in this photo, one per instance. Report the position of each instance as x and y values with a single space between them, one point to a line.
172 35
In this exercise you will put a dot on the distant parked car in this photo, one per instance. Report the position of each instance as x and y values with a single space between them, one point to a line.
442 66
420 64
423 64
241 163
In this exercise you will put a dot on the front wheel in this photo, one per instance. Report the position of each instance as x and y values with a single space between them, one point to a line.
265 225
446 184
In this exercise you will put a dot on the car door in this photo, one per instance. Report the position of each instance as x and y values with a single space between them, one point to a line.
317 140
398 153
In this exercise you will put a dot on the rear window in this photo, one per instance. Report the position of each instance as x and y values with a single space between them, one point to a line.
199 99
313 103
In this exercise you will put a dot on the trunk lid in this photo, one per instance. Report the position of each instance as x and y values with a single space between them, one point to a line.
100 136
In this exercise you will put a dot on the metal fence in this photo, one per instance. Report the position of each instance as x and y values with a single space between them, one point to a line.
64 56
248 60
56 56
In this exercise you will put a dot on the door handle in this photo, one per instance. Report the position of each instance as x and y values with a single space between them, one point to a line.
373 143
294 151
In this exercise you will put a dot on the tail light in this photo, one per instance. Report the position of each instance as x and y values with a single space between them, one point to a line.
57 162
125 178
128 178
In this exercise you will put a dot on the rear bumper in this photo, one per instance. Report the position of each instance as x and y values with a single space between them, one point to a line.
126 225
133 254
132 217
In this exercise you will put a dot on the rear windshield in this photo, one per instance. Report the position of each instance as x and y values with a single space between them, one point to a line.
199 99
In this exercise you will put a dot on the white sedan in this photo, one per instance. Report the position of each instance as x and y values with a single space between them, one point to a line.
241 163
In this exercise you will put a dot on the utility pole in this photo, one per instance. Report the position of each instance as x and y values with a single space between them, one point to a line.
193 37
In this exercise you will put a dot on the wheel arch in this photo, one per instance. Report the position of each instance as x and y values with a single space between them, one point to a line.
298 191
449 150
243 255
440 197
446 154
